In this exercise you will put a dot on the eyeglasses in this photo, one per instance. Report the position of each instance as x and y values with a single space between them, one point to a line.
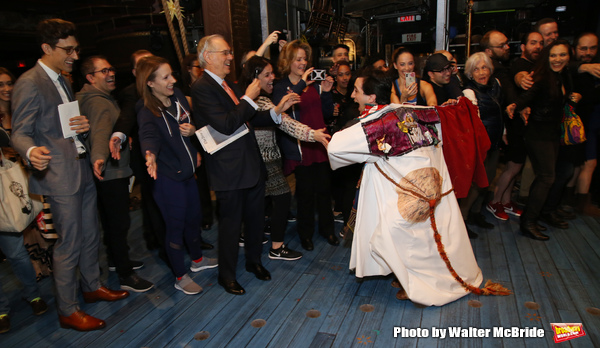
70 49
446 69
225 52
502 45
103 71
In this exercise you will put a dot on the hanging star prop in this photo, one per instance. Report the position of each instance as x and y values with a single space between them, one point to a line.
174 10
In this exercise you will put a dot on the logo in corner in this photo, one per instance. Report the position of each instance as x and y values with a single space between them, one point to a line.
567 331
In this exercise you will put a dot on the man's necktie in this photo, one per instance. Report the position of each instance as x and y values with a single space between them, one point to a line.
230 92
66 88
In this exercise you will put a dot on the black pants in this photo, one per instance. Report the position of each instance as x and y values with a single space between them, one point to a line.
204 191
346 179
113 205
565 168
279 209
543 155
153 223
235 207
313 190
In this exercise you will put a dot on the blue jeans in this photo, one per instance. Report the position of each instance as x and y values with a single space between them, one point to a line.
12 246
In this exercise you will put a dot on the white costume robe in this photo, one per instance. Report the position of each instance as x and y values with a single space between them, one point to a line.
384 242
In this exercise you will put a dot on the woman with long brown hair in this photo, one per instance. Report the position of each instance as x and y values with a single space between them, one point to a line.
541 107
165 131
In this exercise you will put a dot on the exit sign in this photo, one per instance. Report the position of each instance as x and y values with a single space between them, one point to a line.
412 37
409 18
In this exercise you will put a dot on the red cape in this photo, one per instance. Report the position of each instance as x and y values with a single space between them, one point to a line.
465 145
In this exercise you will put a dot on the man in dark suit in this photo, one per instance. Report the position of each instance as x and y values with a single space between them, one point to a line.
62 172
236 172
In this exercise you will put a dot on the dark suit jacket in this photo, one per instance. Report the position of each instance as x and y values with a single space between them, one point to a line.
239 165
127 121
36 123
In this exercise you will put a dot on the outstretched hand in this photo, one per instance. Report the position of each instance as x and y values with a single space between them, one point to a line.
510 110
322 137
286 102
151 164
115 147
98 168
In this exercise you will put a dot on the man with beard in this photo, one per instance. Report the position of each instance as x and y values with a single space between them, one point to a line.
495 45
520 72
586 56
113 176
531 46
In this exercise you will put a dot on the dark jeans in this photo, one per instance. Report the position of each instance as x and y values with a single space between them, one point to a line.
477 195
179 204
563 173
113 206
543 155
313 187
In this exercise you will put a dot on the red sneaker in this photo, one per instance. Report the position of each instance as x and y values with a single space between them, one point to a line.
497 209
512 209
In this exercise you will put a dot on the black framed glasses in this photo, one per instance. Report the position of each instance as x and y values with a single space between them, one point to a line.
70 49
225 52
448 68
104 71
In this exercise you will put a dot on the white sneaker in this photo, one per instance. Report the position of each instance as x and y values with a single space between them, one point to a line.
187 285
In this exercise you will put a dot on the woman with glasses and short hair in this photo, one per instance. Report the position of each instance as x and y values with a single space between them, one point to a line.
485 92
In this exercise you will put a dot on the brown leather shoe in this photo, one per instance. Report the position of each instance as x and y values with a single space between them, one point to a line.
81 321
104 294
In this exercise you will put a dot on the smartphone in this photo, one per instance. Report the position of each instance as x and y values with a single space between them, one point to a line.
318 75
282 35
410 78
256 73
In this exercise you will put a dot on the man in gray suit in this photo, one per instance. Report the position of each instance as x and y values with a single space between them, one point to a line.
61 172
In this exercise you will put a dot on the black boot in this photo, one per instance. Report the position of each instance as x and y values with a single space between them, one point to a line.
529 229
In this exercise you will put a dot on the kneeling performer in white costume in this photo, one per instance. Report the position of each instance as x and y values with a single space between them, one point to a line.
408 221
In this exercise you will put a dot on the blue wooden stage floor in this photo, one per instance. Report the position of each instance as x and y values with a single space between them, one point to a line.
316 302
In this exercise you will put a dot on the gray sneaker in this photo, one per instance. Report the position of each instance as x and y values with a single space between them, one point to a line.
206 263
187 285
